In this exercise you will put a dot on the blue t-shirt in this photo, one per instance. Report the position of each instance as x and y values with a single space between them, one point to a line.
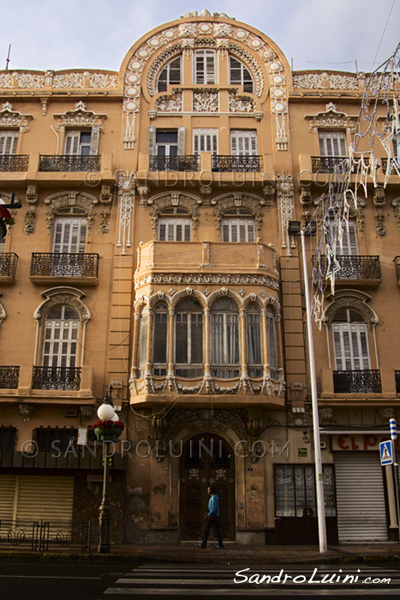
213 506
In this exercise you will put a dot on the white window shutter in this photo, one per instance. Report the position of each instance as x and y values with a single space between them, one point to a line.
72 139
181 141
94 142
152 140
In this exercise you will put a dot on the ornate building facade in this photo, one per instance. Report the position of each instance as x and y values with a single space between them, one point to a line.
152 254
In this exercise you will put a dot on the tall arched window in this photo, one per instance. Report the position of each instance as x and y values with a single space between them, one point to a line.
272 343
160 339
254 353
240 75
189 338
225 347
350 339
170 74
60 344
142 343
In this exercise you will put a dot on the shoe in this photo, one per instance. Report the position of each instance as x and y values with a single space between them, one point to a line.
219 547
200 546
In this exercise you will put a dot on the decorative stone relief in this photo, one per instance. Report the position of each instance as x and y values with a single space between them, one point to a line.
170 103
126 197
253 204
31 198
13 118
26 411
333 81
396 207
52 79
379 203
105 200
306 201
205 100
285 191
332 119
2 313
351 301
87 412
63 295
206 279
184 201
72 198
79 117
240 103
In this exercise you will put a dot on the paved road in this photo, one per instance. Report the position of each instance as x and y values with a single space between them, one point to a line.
216 581
130 581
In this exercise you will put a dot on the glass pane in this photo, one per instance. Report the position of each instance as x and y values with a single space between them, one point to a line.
284 492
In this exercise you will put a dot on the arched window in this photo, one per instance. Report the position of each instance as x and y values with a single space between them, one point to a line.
350 340
240 75
272 343
189 338
174 225
254 352
225 348
60 344
160 339
170 74
238 225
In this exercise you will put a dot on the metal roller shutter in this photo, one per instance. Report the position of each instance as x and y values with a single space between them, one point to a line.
7 495
45 498
360 497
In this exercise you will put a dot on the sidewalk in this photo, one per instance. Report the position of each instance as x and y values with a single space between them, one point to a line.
231 554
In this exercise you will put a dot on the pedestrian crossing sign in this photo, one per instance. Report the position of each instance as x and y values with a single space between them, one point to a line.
386 452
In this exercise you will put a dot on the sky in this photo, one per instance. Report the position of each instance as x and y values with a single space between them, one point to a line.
345 35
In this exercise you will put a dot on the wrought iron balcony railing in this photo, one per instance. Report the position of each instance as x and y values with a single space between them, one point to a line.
354 267
50 264
69 162
397 378
228 163
330 164
8 264
9 377
175 163
357 382
56 378
14 162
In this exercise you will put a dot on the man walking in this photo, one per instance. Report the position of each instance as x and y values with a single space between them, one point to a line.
212 519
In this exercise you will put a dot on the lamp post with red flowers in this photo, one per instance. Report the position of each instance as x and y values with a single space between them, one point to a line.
107 430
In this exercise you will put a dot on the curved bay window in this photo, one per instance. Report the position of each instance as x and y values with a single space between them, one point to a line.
225 347
254 344
160 339
169 75
238 225
189 338
272 342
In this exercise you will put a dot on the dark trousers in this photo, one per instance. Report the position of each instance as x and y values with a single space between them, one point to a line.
216 523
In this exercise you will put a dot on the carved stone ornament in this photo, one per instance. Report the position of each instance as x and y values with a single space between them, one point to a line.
87 412
285 192
53 79
31 198
2 313
105 200
167 103
253 203
379 203
349 299
26 411
68 296
205 100
190 203
13 118
396 207
240 103
73 198
332 119
79 117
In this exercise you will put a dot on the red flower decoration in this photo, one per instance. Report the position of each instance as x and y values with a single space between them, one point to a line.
107 424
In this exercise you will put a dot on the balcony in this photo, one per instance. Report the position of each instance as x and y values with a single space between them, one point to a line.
9 377
360 270
14 162
330 164
69 162
8 267
175 163
357 382
230 164
62 267
56 378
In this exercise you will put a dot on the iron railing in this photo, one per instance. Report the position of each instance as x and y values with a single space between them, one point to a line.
330 164
69 162
354 267
397 378
9 377
228 163
394 165
43 535
175 163
50 264
14 162
56 378
357 382
8 264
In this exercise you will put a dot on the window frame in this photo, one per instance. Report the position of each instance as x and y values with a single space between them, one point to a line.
205 140
333 144
242 79
207 75
350 343
160 339
168 79
243 142
57 349
254 341
194 322
8 142
225 340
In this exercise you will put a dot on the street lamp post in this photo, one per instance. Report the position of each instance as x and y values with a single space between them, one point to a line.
106 431
296 230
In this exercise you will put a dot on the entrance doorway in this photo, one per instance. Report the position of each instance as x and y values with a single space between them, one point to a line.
206 460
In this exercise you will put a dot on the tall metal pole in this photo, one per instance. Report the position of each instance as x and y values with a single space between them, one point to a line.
323 546
393 437
104 518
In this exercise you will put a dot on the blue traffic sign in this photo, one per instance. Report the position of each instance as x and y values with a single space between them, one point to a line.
386 452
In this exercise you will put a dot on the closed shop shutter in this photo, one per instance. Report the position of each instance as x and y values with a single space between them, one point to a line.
7 494
360 497
42 498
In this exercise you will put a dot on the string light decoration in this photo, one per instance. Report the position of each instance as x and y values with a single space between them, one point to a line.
351 175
